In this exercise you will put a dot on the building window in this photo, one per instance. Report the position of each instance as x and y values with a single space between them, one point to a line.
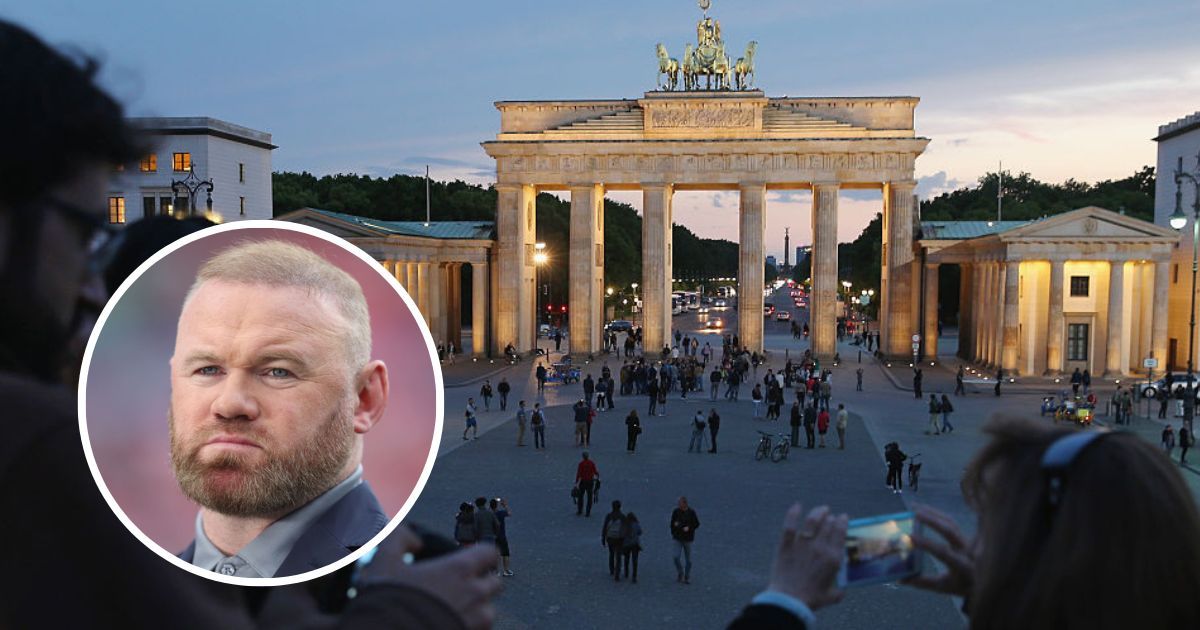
116 209
242 172
242 205
1175 273
164 204
147 207
1077 342
1079 286
181 162
150 163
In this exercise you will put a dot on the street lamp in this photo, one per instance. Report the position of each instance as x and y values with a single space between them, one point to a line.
1178 220
539 258
192 185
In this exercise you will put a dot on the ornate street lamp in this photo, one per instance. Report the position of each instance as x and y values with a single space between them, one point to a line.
192 185
1178 220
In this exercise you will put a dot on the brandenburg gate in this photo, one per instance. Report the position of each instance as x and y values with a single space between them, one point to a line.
712 139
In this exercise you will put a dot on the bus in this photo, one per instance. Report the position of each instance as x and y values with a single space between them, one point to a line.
726 292
689 299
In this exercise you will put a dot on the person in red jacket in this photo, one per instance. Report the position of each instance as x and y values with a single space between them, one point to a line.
586 477
823 425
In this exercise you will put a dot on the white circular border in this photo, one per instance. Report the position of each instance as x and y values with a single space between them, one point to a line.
91 457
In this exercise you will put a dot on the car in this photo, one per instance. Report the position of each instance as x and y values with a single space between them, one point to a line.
703 310
714 324
1150 390
783 316
768 310
620 325
720 303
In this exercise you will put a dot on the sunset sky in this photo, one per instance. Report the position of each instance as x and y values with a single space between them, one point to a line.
1064 89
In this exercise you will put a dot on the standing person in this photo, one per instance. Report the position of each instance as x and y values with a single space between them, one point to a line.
652 393
1168 440
756 396
541 378
714 380
557 340
946 408
589 389
537 421
999 379
858 374
698 426
684 522
503 388
485 392
1076 381
464 525
1087 381
795 421
521 423
843 418
822 425
895 461
826 389
472 423
1185 442
714 425
959 389
810 423
580 412
631 542
935 412
663 387
1162 402
586 476
500 508
633 428
612 536
487 526
918 376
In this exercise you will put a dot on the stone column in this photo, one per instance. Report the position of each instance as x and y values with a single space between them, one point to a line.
964 311
992 300
823 304
515 229
898 213
977 293
479 307
455 311
586 268
437 302
1055 324
423 280
998 275
752 201
1011 333
931 312
656 267
1116 318
1158 331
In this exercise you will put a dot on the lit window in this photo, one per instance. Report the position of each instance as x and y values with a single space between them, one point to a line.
1079 286
242 205
241 172
1077 342
116 209
150 163
181 162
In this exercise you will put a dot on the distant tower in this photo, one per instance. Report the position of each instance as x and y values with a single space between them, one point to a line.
785 248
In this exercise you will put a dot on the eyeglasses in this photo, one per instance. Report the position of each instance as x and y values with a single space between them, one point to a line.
1057 460
101 238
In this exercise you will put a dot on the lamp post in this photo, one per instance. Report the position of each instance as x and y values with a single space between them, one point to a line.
1178 220
634 286
192 185
539 258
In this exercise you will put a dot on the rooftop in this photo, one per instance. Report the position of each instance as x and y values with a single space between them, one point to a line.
202 125
960 230
480 230
1179 127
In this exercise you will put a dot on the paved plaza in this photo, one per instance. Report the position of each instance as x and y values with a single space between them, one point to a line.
561 569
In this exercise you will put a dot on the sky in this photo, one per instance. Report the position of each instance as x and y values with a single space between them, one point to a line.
1068 89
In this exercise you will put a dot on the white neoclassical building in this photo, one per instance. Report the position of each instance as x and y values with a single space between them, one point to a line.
1178 147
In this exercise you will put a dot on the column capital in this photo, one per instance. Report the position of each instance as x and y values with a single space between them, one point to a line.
902 183
826 185
751 185
657 186
583 186
509 187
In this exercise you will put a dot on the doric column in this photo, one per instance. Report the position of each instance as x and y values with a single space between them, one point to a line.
752 201
897 226
977 311
1055 326
931 311
454 326
823 304
437 302
587 268
424 277
656 267
998 276
964 310
1113 356
1158 331
479 307
1011 332
515 229
993 300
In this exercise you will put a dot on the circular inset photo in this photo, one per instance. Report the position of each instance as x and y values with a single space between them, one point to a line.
260 403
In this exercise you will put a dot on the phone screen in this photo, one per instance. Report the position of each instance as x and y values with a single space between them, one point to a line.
880 549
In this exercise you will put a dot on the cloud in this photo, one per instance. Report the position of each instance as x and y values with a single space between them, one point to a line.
933 185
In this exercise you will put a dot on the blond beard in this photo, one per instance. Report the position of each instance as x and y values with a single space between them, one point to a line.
229 484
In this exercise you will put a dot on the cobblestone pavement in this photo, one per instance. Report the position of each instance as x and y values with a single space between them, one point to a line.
561 569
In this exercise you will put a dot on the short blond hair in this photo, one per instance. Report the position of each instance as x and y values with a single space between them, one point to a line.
280 264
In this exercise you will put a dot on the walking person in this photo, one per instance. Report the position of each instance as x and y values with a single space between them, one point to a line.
586 476
631 544
612 536
795 421
858 374
485 392
843 419
918 377
580 412
633 428
500 508
698 426
959 389
1185 442
503 388
822 426
714 425
472 423
946 408
541 378
935 412
521 423
557 340
1076 381
537 421
1168 440
684 523
810 424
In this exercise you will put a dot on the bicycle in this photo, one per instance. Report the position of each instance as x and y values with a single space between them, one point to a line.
764 446
780 451
914 472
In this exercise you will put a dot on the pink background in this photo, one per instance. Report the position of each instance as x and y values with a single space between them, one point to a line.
128 388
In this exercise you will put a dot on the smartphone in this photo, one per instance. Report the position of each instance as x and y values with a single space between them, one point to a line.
880 549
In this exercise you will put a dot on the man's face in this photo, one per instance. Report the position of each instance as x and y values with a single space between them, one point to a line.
262 399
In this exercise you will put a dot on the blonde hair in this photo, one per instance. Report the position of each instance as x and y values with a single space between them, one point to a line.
282 264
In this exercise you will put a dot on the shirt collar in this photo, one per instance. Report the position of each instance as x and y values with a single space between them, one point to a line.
263 556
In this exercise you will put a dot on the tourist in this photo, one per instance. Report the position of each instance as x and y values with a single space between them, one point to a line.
959 389
464 525
503 388
895 464
795 421
999 379
1087 380
810 423
652 393
825 387
537 421
842 420
756 396
485 392
698 426
1163 399
935 412
612 535
918 376
558 340
580 412
684 523
472 423
633 429
520 423
946 409
589 389
487 526
1185 442
1168 440
714 425
586 476
631 543
541 378
858 374
1076 381
662 397
822 425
